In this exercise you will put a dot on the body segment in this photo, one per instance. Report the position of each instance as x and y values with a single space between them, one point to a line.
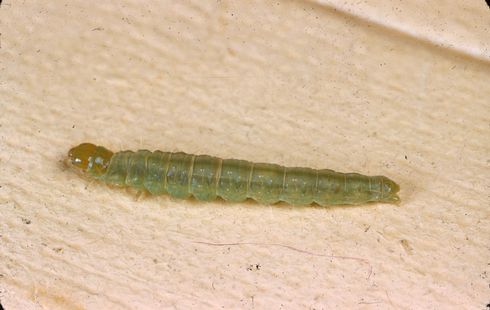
205 177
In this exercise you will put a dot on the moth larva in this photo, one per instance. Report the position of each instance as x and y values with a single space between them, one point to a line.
204 177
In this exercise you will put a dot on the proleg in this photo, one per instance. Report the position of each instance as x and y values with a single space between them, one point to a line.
205 178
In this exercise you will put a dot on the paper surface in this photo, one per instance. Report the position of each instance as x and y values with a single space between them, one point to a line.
400 90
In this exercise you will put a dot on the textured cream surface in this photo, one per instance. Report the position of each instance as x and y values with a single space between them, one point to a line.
372 87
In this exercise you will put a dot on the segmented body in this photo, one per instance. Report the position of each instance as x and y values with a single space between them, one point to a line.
205 177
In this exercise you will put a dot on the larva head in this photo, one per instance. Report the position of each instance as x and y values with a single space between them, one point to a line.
90 158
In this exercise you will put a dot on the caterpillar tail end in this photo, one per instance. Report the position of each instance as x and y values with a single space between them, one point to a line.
390 192
395 199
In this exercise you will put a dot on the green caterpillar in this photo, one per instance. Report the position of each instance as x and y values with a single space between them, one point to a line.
204 177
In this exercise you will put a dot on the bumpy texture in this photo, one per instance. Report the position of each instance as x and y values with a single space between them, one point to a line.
205 177
347 85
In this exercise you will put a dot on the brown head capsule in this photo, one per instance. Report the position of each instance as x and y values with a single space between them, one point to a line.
90 158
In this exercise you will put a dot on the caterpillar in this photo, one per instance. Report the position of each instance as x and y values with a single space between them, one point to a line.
205 177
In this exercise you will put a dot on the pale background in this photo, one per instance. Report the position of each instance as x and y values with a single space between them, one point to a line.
397 88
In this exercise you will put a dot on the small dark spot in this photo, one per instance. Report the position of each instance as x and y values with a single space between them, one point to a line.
406 246
155 260
98 29
406 157
26 221
73 126
253 267
1 307
488 305
58 250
